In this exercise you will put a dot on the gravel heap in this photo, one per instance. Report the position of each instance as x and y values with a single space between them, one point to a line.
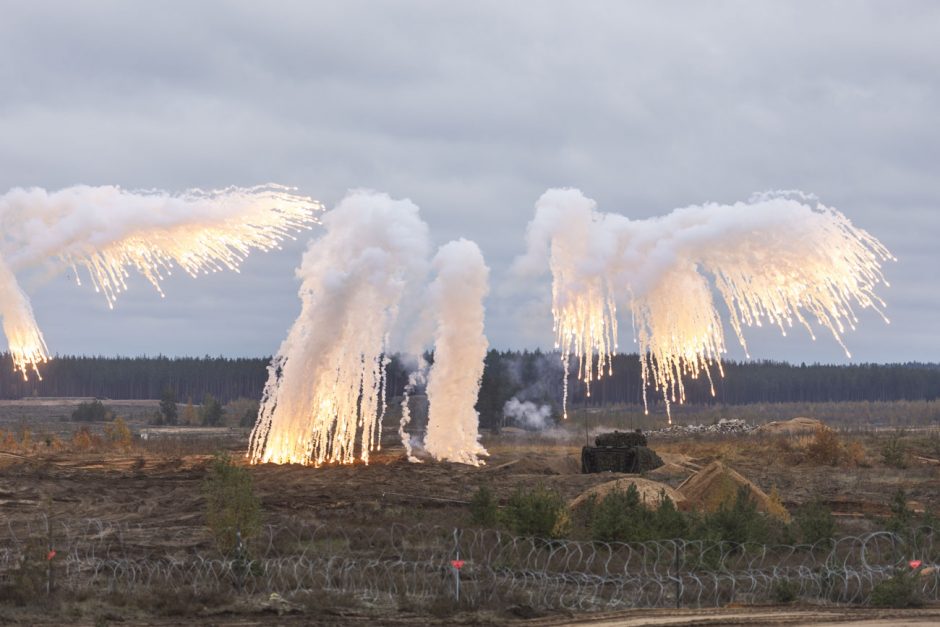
722 427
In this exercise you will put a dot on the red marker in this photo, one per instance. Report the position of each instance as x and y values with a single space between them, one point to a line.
915 564
50 555
458 564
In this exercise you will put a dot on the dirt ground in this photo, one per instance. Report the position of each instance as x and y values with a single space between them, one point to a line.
159 484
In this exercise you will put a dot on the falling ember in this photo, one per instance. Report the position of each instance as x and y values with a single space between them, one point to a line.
107 231
326 389
781 258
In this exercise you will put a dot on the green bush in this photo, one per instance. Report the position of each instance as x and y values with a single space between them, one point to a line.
900 590
232 508
620 517
785 591
95 411
483 509
669 523
539 512
894 453
26 582
815 523
902 518
210 412
737 521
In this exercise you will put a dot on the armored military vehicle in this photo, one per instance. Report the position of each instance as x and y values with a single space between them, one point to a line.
619 452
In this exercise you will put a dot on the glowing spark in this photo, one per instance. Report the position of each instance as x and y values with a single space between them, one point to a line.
779 258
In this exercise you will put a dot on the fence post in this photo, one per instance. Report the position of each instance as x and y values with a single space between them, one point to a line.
456 564
50 553
678 586
239 563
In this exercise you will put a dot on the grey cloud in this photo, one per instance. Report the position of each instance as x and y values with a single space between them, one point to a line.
472 111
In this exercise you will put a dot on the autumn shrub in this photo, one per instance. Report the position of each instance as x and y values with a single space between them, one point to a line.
825 447
26 439
856 455
8 441
83 440
775 506
118 434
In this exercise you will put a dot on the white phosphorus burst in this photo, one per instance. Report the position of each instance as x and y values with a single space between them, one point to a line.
456 297
781 258
27 346
326 390
106 231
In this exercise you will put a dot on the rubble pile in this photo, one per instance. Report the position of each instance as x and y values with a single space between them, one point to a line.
724 426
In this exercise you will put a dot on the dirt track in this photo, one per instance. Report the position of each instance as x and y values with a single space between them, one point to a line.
756 616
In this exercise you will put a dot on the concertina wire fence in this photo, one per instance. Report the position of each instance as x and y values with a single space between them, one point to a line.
483 567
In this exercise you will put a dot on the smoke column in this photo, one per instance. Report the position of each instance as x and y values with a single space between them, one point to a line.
415 379
527 413
325 395
780 258
107 230
456 296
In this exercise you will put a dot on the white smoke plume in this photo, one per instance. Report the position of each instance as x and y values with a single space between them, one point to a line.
106 231
779 258
416 378
456 297
527 413
325 396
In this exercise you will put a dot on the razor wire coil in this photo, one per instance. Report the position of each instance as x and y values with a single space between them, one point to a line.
415 562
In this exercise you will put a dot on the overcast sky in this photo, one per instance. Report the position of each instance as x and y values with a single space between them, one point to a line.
472 110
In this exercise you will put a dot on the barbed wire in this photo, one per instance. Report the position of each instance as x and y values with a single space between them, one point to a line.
494 567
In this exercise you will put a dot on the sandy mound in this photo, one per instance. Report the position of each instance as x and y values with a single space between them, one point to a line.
791 427
677 468
716 484
650 492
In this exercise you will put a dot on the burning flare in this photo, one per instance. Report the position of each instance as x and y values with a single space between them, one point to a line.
107 230
325 396
779 258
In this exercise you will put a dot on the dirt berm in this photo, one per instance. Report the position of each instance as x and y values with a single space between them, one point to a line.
650 492
715 484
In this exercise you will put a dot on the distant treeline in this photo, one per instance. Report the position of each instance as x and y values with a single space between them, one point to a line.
123 378
534 376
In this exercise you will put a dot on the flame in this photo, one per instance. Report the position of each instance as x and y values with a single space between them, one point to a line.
201 232
326 391
775 260
27 346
